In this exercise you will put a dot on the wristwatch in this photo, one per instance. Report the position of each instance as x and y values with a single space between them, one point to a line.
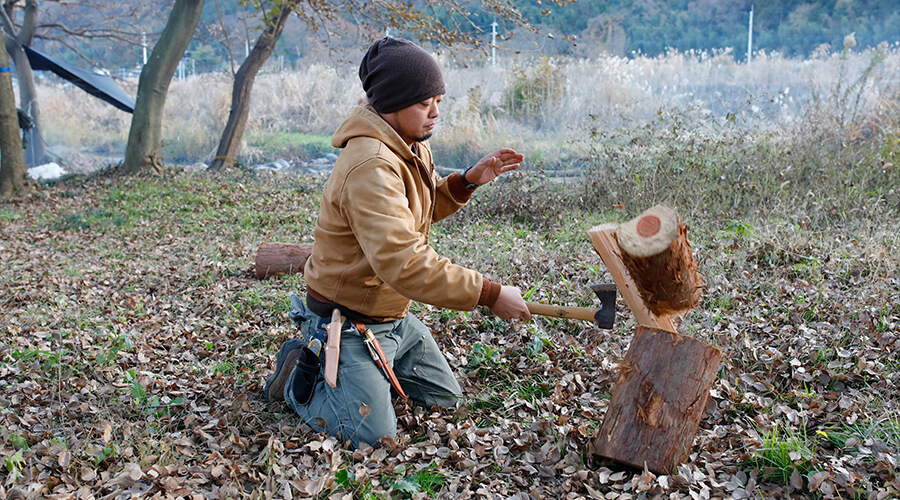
471 186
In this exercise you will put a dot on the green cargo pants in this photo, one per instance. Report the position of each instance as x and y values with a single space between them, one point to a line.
359 409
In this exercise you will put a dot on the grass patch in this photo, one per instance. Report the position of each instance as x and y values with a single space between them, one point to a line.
885 429
8 215
290 145
783 453
429 481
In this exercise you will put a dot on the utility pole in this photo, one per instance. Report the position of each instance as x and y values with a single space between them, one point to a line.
750 37
494 44
144 45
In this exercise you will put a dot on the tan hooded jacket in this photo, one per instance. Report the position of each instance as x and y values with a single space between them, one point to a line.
371 252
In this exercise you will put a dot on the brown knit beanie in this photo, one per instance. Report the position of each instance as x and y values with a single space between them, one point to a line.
397 73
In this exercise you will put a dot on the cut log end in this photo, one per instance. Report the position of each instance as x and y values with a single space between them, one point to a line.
650 233
603 237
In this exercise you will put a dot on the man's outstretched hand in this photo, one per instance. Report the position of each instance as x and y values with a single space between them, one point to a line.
491 166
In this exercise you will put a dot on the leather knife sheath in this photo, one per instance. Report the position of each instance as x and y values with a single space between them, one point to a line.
333 347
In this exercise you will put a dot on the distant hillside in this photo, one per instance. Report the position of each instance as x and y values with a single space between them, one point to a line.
581 28
792 27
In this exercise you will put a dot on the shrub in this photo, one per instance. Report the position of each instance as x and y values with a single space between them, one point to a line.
535 92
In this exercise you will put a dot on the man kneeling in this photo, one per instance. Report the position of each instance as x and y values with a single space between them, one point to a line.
371 257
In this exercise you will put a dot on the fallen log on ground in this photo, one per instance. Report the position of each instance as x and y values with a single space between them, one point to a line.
276 258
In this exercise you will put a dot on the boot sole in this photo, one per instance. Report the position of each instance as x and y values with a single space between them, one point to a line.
285 364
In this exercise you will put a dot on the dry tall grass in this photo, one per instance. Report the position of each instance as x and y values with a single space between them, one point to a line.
707 90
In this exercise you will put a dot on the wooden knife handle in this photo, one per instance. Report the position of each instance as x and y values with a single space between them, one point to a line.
333 347
582 313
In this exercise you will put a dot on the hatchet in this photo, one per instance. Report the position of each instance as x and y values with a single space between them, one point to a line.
605 315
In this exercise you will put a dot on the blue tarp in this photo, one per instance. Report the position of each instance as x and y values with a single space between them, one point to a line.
100 86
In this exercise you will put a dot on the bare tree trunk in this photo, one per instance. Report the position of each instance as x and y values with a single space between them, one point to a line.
143 152
35 150
13 171
230 143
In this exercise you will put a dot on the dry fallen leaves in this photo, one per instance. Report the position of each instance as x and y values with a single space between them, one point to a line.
133 352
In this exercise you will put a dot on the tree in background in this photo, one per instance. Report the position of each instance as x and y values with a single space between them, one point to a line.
604 34
36 152
274 19
327 16
98 32
143 151
74 25
13 171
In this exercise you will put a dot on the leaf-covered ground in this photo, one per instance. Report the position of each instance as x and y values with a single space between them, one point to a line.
134 341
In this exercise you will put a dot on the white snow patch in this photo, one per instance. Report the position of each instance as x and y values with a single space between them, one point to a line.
46 171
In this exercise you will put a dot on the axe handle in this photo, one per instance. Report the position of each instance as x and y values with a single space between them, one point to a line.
582 313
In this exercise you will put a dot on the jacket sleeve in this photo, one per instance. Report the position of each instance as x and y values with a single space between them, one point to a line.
451 194
374 203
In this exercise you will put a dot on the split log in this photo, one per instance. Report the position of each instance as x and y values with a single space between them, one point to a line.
657 253
603 237
274 258
658 400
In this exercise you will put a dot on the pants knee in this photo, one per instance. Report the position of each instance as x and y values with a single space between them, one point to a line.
449 401
371 432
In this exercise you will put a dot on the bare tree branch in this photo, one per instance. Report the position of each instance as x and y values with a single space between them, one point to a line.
227 40
65 31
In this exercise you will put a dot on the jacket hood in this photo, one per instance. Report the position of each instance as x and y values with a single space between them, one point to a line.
364 121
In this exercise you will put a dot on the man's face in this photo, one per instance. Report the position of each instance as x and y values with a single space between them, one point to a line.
415 123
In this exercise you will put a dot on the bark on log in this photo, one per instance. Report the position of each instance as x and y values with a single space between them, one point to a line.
273 258
657 254
658 400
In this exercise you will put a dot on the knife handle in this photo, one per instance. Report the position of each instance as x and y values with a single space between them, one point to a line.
333 347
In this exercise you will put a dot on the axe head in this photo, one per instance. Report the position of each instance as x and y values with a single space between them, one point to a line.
606 314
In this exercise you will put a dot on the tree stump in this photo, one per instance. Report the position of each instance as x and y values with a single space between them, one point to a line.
658 256
658 400
273 258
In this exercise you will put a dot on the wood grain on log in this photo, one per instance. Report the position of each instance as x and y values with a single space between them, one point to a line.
657 253
274 258
658 400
